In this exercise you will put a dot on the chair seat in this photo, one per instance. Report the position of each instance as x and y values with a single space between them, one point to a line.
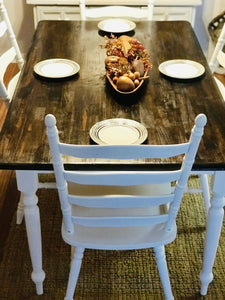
134 237
128 239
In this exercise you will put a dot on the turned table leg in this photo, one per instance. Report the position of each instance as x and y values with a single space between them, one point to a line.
214 225
27 183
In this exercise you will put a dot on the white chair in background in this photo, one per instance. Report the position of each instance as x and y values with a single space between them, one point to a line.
116 210
11 55
218 59
138 13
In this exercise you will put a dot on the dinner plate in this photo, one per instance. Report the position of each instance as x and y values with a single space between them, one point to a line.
56 68
116 25
118 131
182 69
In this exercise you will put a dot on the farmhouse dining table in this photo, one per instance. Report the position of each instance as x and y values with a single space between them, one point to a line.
165 106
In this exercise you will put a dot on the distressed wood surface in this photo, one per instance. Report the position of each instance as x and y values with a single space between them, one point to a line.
167 108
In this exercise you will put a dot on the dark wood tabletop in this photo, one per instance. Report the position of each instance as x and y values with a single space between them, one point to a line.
166 107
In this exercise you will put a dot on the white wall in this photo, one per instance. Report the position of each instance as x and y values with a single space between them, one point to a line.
200 30
21 17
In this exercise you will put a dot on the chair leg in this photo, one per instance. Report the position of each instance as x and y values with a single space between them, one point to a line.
74 272
163 271
205 191
20 210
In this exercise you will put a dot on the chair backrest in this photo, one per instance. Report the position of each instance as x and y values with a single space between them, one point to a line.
9 56
121 179
218 56
144 12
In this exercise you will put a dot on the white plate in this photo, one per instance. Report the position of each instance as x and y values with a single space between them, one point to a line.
181 69
118 132
56 68
116 25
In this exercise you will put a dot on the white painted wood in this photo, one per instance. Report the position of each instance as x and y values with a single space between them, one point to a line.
20 210
174 13
211 9
41 185
69 9
117 2
204 187
74 272
56 13
27 183
8 56
213 63
114 210
221 56
205 190
163 271
214 225
120 11
218 58
167 13
73 13
221 87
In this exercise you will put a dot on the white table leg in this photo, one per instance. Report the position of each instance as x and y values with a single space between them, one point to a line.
214 225
27 183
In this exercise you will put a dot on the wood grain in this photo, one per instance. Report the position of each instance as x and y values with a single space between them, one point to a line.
166 107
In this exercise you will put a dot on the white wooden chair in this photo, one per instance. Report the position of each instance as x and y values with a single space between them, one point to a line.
218 58
115 210
136 13
11 55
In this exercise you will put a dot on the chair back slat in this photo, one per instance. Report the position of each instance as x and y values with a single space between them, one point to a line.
126 203
122 178
143 12
119 221
119 202
124 151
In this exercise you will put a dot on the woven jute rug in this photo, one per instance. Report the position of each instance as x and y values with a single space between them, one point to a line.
111 275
